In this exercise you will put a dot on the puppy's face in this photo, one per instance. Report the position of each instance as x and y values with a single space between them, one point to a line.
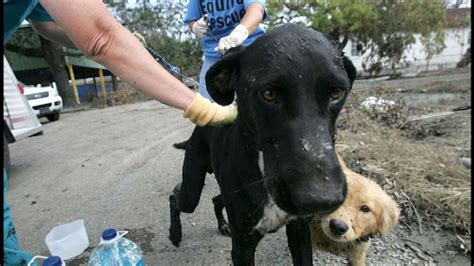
291 85
366 210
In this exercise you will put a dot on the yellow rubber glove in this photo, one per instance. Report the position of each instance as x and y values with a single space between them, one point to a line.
202 112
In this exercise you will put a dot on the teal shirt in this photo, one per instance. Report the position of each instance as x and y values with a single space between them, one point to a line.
16 11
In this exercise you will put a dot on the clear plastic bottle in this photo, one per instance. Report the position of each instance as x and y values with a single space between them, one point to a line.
115 250
130 253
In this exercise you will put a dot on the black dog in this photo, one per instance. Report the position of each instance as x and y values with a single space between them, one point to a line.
276 164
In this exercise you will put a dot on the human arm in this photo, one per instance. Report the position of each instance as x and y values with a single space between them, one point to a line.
44 25
195 19
253 17
198 27
92 29
52 31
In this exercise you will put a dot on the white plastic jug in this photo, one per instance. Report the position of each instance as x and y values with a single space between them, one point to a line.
67 240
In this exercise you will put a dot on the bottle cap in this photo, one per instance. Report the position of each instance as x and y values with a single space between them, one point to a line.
53 261
109 234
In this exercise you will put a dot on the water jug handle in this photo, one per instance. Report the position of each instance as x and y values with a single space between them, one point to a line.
34 258
122 233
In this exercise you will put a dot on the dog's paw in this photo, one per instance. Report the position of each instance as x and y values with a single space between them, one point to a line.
224 229
175 238
181 145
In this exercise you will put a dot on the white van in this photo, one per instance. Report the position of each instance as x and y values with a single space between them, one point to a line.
19 120
45 100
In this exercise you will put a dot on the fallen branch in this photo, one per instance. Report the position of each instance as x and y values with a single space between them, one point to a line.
433 115
414 209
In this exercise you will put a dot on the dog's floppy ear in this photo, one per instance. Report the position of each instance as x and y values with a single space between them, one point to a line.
388 217
350 68
335 34
220 76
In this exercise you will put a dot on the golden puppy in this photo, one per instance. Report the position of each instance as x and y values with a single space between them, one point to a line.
367 211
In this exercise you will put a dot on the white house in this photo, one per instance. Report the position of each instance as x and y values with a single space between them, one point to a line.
457 41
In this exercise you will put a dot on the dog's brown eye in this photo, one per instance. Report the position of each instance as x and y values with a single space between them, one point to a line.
269 95
365 208
336 94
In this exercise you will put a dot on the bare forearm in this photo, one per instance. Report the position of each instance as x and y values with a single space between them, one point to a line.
253 17
101 37
141 71
52 31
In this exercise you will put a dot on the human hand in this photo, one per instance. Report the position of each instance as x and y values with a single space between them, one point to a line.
200 27
202 112
235 38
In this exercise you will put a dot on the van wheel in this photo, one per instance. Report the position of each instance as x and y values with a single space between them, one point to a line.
53 117
6 154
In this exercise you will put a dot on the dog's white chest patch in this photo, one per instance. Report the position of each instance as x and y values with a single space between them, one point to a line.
273 218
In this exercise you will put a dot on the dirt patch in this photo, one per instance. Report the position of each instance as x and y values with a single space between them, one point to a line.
417 162
143 237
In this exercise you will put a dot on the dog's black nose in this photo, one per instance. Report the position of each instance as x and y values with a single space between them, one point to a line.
338 227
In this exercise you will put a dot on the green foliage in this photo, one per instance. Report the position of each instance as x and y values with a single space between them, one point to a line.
184 54
162 27
385 28
26 38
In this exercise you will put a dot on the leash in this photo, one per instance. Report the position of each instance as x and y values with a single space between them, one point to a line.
162 61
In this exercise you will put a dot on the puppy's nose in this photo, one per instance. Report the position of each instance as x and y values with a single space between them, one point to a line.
338 227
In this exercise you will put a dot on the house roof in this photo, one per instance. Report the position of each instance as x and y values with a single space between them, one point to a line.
458 17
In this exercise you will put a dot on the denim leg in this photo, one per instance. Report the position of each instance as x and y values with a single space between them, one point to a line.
208 62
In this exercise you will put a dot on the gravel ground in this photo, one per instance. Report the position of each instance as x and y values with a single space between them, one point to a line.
115 167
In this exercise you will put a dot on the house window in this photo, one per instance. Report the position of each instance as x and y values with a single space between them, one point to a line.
356 49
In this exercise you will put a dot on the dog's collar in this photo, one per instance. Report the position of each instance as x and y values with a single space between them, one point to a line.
365 238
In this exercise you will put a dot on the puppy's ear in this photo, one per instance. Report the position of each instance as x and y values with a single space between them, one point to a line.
222 74
350 68
388 217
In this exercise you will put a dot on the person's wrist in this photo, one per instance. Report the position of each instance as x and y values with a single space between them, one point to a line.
202 112
242 30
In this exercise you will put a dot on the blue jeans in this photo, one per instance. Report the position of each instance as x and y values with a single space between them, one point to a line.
208 62
12 255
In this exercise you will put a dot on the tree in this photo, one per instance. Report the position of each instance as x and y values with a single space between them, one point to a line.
162 26
384 28
433 45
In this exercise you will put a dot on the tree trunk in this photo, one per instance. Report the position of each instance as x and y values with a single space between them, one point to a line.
57 66
114 82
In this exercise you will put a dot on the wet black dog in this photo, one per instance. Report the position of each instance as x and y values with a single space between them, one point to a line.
276 164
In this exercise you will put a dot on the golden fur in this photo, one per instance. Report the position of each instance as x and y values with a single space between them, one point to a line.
381 217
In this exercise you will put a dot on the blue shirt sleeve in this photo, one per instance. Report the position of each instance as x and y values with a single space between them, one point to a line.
39 14
194 11
248 2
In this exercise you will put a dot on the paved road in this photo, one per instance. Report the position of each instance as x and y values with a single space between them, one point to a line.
115 167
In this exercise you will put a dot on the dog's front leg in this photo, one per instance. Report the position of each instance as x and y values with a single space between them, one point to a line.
175 220
357 255
243 247
299 241
222 224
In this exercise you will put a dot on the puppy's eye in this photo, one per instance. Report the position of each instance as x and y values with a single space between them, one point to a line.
269 95
336 94
365 208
